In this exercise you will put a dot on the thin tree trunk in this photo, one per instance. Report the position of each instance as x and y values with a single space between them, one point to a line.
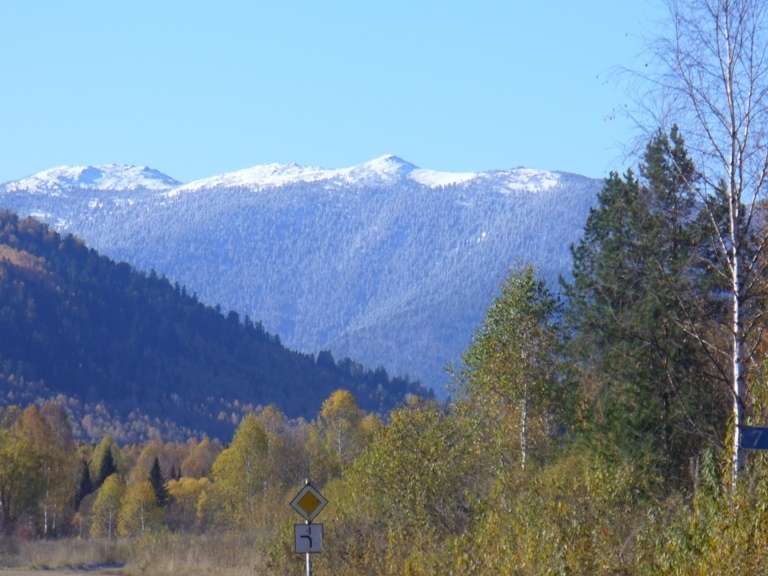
524 429
739 387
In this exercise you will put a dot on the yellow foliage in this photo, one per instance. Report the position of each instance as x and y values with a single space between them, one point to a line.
338 436
184 496
21 480
140 512
106 507
142 466
200 460
51 436
240 475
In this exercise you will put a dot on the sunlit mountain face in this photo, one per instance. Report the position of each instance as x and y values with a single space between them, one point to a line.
385 262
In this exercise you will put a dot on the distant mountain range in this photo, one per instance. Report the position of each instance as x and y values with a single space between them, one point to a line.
384 262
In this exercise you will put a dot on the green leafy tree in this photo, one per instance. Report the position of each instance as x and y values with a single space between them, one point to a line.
413 487
21 478
106 507
240 474
509 388
140 512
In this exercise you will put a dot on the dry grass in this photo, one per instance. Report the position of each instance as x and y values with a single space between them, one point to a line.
67 553
226 553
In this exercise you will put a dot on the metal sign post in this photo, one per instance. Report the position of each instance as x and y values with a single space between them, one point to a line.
308 537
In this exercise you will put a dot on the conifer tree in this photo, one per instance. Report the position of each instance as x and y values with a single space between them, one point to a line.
107 467
639 296
83 484
158 483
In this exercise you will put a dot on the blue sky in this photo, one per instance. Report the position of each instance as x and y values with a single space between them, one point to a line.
196 89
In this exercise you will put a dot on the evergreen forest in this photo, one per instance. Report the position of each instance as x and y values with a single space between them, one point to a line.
131 355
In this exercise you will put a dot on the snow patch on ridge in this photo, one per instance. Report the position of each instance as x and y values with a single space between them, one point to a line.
261 175
525 179
434 179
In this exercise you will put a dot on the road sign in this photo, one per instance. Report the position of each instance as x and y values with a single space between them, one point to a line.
309 503
754 437
308 538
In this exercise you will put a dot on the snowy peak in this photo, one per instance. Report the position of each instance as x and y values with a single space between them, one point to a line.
384 171
112 177
382 243
388 170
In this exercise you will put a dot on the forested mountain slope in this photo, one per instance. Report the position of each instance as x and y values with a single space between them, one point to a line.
133 348
383 262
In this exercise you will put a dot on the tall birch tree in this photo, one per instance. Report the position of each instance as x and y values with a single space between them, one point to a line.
710 72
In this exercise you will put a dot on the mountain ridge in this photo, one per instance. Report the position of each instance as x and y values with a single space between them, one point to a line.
108 177
103 338
387 168
369 262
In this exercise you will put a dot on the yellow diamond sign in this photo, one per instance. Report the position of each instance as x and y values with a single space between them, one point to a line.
309 503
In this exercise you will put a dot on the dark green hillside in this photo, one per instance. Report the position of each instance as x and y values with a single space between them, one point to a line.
75 323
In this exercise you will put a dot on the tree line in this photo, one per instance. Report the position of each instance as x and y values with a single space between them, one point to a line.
54 486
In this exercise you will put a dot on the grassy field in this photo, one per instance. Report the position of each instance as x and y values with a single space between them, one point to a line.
226 554
93 570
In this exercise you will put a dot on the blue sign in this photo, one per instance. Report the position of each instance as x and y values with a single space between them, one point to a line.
308 538
754 437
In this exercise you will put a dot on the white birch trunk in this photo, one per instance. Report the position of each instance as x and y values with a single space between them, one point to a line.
524 428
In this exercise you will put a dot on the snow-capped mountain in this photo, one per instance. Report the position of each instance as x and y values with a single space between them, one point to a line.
384 262
113 177
386 170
